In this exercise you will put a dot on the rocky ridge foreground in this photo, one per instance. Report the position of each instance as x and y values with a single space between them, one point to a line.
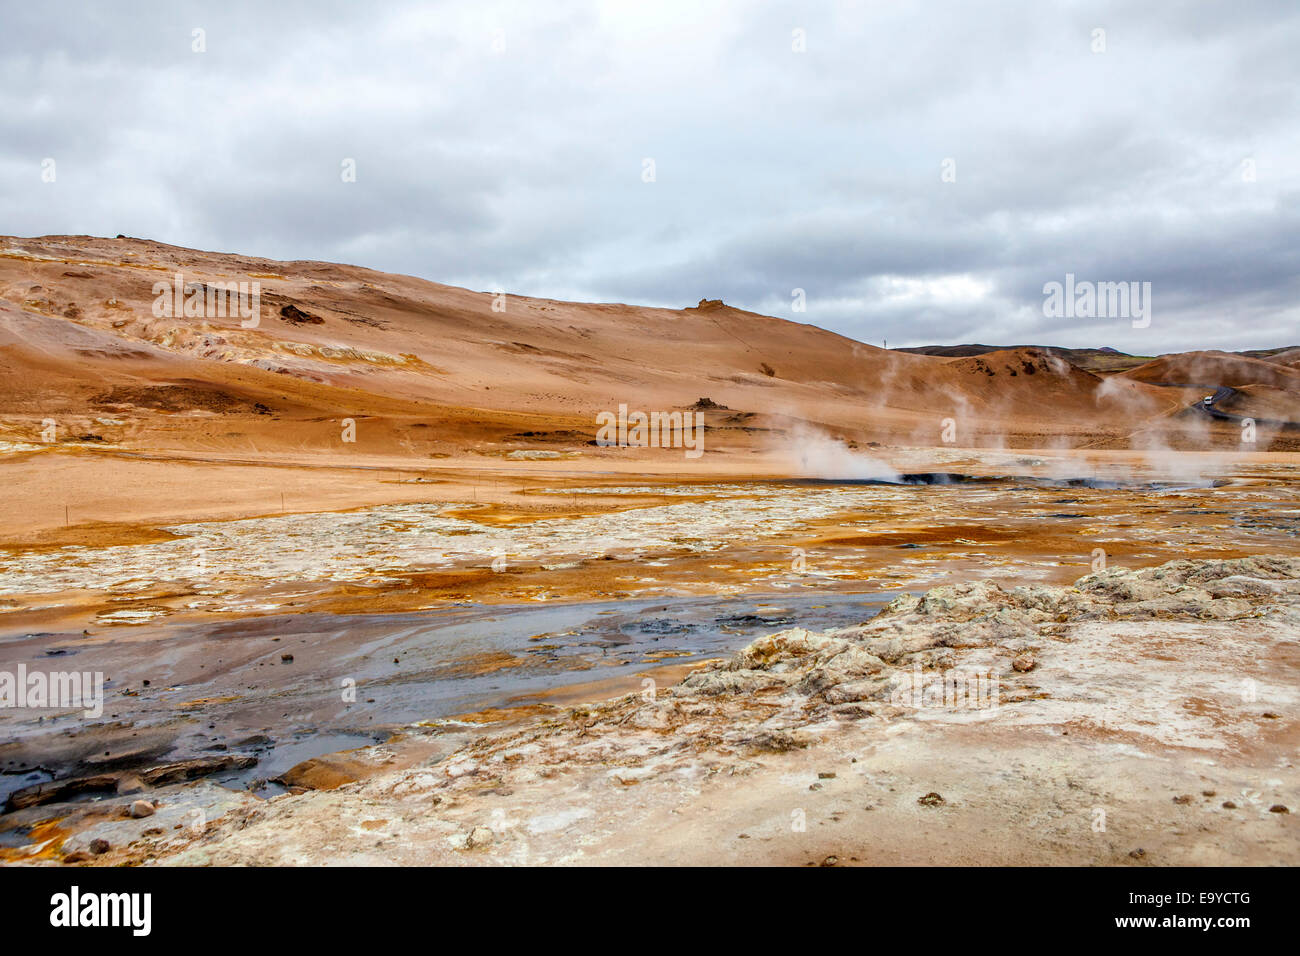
1115 659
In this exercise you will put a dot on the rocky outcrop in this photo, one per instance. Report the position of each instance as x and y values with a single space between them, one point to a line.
56 791
934 629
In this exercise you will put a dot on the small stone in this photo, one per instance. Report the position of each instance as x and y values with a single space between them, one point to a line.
1278 808
141 808
825 776
100 845
1024 663
1229 805
831 861
153 831
479 836
1138 853
1183 798
1207 793
77 857
814 786
931 799
286 658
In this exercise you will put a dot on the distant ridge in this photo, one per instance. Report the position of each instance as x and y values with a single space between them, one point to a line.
1104 359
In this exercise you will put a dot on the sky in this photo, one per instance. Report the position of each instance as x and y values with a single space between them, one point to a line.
910 173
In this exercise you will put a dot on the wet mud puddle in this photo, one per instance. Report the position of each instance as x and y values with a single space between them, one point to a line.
241 698
285 688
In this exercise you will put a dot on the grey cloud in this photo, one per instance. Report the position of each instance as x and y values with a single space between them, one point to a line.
775 169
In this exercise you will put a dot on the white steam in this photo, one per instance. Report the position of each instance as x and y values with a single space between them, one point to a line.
814 454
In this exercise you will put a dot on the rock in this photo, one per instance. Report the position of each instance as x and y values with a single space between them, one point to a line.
1229 805
1024 663
825 776
286 658
184 770
77 857
58 790
714 683
129 783
931 799
140 809
479 836
854 692
296 316
1138 853
831 861
785 646
327 772
777 741
1183 798
100 845
1278 808
852 711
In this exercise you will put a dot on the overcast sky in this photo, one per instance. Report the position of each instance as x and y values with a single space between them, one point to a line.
505 145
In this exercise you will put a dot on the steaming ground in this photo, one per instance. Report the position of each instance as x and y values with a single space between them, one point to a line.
1038 515
198 610
186 511
1138 718
820 456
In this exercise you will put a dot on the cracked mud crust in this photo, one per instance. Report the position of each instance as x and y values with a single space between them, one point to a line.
1151 709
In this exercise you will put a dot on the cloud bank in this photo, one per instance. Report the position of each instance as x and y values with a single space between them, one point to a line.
919 171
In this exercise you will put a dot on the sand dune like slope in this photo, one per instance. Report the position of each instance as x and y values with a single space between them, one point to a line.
77 322
1216 369
430 371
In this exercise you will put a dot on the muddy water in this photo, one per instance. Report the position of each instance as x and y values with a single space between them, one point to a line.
353 680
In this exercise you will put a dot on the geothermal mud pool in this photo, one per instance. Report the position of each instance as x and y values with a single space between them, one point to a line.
238 654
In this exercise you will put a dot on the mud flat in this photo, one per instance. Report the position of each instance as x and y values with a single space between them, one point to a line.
1137 717
299 660
271 692
668 538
